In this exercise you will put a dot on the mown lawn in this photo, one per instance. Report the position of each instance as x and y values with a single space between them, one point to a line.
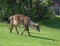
48 36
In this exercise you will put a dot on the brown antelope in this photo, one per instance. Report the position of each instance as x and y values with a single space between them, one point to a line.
20 19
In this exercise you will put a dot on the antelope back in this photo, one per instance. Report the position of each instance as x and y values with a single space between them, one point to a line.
19 19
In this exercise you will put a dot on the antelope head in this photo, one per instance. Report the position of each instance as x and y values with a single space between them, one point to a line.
36 26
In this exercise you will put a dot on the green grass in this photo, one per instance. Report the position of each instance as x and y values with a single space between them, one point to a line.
48 36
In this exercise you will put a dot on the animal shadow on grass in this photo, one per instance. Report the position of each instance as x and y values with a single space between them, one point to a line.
43 38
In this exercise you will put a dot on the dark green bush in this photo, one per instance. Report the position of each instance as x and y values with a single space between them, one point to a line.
35 9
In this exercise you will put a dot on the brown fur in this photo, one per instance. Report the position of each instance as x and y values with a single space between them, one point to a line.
19 19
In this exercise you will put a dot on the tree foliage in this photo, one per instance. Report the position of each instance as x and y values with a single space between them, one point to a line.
35 9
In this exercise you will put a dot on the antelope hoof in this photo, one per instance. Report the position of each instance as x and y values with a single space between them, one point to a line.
29 35
17 33
10 31
21 34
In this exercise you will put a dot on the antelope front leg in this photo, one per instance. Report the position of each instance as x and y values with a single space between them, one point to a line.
26 29
22 32
28 32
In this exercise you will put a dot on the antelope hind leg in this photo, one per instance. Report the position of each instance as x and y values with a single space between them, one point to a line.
16 29
11 28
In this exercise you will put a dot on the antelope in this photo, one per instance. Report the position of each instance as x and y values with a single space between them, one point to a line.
19 19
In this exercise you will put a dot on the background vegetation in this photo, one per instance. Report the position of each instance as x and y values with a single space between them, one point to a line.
35 9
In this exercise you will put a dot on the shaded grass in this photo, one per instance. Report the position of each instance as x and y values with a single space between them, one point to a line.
49 35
